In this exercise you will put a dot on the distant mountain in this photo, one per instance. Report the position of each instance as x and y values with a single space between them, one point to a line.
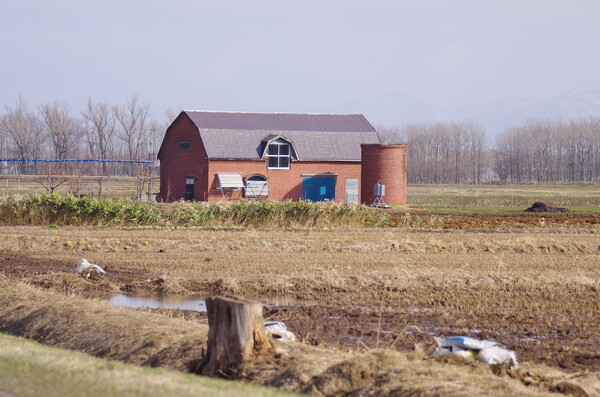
397 110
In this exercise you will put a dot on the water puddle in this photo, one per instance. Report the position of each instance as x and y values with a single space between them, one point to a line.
160 301
283 300
192 303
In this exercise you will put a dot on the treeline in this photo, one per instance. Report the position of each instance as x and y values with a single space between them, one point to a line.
441 153
543 151
537 151
100 130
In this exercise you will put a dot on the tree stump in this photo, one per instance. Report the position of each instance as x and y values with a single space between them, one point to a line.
236 334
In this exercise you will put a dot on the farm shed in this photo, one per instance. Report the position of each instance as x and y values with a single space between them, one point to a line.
211 156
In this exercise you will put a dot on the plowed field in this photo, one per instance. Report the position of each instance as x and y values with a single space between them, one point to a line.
530 281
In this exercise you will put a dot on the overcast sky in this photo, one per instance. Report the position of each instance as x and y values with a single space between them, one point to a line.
295 56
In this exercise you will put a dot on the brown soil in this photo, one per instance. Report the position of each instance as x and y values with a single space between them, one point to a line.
530 281
502 221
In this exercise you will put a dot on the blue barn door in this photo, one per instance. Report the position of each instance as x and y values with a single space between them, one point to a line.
318 188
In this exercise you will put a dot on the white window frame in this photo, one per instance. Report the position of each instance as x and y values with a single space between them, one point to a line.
279 156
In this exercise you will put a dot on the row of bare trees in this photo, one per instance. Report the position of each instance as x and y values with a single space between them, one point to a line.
100 131
544 151
447 153
536 151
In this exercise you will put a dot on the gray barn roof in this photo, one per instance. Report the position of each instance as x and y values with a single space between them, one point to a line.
310 145
280 121
317 137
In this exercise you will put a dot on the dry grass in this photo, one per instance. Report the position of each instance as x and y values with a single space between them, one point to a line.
31 369
90 186
92 327
387 373
154 340
463 269
52 209
494 197
536 291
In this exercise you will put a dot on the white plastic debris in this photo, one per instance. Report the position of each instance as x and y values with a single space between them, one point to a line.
486 351
278 330
465 343
88 269
498 356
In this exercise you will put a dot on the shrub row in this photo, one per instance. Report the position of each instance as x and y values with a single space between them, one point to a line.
48 209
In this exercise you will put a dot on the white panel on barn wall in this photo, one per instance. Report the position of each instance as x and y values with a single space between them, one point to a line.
229 181
351 191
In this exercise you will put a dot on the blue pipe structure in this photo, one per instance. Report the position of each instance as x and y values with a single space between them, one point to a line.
83 160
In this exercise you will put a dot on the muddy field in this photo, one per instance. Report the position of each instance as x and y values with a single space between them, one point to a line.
530 281
451 220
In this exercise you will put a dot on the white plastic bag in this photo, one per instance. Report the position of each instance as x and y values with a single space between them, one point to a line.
498 356
278 330
486 351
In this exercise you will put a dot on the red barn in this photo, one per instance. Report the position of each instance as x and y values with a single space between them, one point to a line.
211 156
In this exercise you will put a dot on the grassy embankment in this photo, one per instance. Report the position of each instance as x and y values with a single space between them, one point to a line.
30 369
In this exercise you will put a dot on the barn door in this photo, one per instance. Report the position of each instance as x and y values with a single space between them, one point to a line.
318 188
189 188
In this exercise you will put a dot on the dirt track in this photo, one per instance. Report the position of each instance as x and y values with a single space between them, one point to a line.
530 281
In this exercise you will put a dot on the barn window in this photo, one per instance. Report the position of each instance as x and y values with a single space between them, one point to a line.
185 145
278 155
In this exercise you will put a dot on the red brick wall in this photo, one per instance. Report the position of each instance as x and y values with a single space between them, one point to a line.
385 164
284 184
176 165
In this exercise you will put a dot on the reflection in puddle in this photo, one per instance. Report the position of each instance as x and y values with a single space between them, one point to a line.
162 301
284 300
192 303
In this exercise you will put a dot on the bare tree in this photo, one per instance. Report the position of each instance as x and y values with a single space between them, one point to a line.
171 114
3 147
64 130
26 131
52 179
476 145
99 128
133 122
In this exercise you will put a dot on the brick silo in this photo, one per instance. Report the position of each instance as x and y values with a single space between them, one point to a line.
385 164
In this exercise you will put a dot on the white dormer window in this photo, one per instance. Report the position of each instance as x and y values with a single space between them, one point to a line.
278 155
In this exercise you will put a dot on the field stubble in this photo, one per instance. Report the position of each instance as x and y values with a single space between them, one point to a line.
536 291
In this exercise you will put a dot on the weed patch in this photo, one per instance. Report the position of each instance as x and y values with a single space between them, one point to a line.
55 210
